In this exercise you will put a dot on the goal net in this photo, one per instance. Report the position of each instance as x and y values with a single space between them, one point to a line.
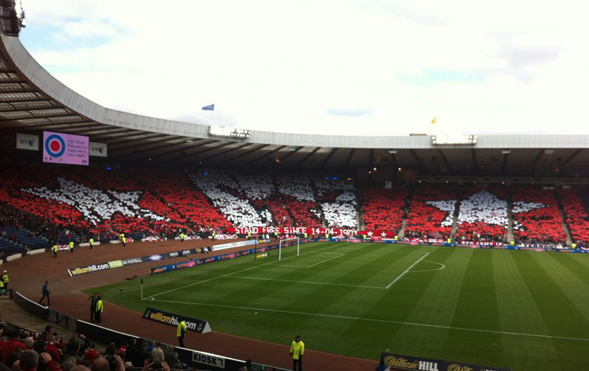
286 243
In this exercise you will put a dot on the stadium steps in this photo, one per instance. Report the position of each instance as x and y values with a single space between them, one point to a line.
406 212
510 235
455 219
565 226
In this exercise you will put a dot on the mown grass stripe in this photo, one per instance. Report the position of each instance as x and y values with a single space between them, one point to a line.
518 312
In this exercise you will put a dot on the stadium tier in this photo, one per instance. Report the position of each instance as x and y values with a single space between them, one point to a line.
101 203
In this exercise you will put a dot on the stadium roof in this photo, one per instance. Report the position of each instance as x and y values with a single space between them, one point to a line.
32 100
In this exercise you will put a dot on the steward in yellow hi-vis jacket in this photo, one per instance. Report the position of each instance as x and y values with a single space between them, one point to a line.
99 309
180 332
297 349
71 246
54 248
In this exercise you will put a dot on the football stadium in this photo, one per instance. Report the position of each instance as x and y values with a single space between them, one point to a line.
215 246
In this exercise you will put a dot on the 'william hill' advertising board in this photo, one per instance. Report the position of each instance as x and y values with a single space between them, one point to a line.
192 324
397 362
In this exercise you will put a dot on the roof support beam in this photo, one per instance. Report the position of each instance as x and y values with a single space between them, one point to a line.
535 162
266 155
445 159
151 149
575 154
329 157
350 157
416 158
504 164
258 148
198 144
224 152
474 160
300 163
290 153
56 116
192 155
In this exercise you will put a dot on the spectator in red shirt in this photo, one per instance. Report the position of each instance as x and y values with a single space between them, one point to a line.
91 354
52 349
48 331
11 344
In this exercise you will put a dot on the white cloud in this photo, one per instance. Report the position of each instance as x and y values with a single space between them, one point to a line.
286 66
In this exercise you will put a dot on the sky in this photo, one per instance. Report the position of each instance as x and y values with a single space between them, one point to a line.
326 67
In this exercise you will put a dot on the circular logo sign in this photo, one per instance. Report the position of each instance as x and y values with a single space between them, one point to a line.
55 146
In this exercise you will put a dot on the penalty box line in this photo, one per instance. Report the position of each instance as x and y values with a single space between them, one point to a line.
243 270
377 320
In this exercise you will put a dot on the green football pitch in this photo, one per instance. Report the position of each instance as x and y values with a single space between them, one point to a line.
522 310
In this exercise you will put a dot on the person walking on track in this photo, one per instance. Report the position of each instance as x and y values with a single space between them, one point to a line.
46 292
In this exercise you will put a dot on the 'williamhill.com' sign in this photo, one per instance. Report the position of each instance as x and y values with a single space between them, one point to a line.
192 324
403 363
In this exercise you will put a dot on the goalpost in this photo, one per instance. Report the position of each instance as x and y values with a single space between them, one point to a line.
288 242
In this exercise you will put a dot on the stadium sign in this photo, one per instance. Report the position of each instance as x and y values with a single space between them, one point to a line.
28 142
98 149
208 359
397 362
131 261
195 325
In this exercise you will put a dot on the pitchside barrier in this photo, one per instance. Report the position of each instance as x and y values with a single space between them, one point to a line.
453 244
193 358
233 255
397 362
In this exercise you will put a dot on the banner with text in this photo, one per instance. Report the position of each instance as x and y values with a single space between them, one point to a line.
310 231
397 362
62 148
27 141
195 325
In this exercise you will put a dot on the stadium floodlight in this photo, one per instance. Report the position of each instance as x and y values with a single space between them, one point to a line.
392 151
505 151
228 132
548 151
454 139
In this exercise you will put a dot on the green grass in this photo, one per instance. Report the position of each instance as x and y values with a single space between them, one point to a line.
484 307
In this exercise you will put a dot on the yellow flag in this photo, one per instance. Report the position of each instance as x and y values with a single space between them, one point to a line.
435 120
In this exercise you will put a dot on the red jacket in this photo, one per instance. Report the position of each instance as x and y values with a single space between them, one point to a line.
8 346
53 352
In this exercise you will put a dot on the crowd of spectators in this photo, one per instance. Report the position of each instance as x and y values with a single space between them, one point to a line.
25 350
536 217
431 211
482 215
384 208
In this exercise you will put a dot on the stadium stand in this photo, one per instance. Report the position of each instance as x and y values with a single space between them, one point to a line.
431 212
537 218
384 208
482 215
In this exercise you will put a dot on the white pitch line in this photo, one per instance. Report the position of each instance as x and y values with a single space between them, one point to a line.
243 270
377 320
308 282
407 270
321 262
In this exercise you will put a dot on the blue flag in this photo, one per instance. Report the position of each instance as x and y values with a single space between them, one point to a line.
209 108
